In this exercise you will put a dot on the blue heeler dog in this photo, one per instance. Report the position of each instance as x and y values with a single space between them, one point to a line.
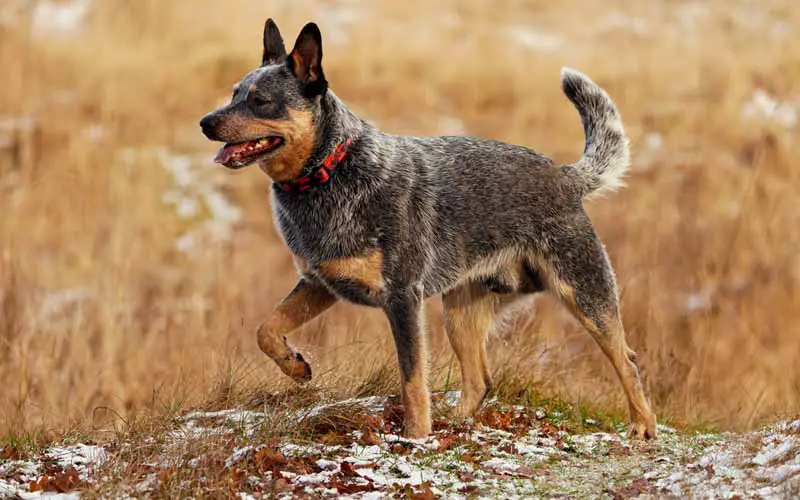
387 221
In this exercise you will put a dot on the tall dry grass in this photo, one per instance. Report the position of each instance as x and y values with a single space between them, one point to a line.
99 307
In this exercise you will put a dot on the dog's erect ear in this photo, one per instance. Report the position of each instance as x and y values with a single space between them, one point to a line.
305 61
274 50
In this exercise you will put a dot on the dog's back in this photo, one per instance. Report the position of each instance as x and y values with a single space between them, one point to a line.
471 199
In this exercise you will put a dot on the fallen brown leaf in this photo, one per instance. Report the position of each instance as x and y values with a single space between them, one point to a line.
281 485
270 459
637 487
423 493
465 477
10 453
349 487
524 471
39 485
369 438
165 474
348 470
445 443
67 480
509 448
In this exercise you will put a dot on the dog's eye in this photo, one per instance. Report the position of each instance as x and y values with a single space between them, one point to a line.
258 101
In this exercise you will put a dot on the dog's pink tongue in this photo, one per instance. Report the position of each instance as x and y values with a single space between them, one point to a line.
227 151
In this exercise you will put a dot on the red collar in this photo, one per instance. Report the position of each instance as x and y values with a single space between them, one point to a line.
321 174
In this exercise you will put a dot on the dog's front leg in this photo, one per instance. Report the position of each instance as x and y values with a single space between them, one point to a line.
305 302
404 307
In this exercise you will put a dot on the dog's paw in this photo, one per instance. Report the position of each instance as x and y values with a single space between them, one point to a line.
296 367
419 430
642 430
464 410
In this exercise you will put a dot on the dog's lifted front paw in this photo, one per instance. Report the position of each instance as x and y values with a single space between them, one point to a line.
296 367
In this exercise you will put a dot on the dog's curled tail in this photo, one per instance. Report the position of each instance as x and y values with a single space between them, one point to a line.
606 155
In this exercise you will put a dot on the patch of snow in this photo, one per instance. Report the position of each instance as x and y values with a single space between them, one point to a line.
653 141
327 464
614 21
187 208
12 127
35 495
180 167
537 452
315 478
699 301
233 416
371 403
195 196
94 133
237 455
776 452
691 14
500 465
781 30
56 303
373 495
781 473
533 39
7 490
451 398
186 243
80 456
450 125
59 18
304 450
340 16
224 215
17 123
665 429
366 454
766 107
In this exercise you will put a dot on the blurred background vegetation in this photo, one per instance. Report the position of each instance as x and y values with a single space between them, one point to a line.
133 271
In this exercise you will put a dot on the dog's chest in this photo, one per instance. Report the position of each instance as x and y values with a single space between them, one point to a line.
335 246
357 279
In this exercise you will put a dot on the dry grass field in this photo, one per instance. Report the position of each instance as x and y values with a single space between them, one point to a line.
133 271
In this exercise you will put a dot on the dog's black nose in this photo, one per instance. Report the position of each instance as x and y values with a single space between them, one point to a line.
209 126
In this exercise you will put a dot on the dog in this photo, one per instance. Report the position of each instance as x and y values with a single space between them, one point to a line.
387 221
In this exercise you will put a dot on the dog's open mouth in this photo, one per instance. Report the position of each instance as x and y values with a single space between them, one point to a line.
244 153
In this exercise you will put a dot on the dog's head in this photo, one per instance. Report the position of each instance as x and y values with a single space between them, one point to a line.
269 118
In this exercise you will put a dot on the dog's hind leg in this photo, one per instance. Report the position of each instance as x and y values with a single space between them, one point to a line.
577 271
468 312
305 302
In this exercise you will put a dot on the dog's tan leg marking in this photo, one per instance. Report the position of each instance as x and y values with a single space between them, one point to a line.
414 384
610 336
468 312
305 302
366 270
607 330
416 403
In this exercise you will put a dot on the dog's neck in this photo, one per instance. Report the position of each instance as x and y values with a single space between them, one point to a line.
336 125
